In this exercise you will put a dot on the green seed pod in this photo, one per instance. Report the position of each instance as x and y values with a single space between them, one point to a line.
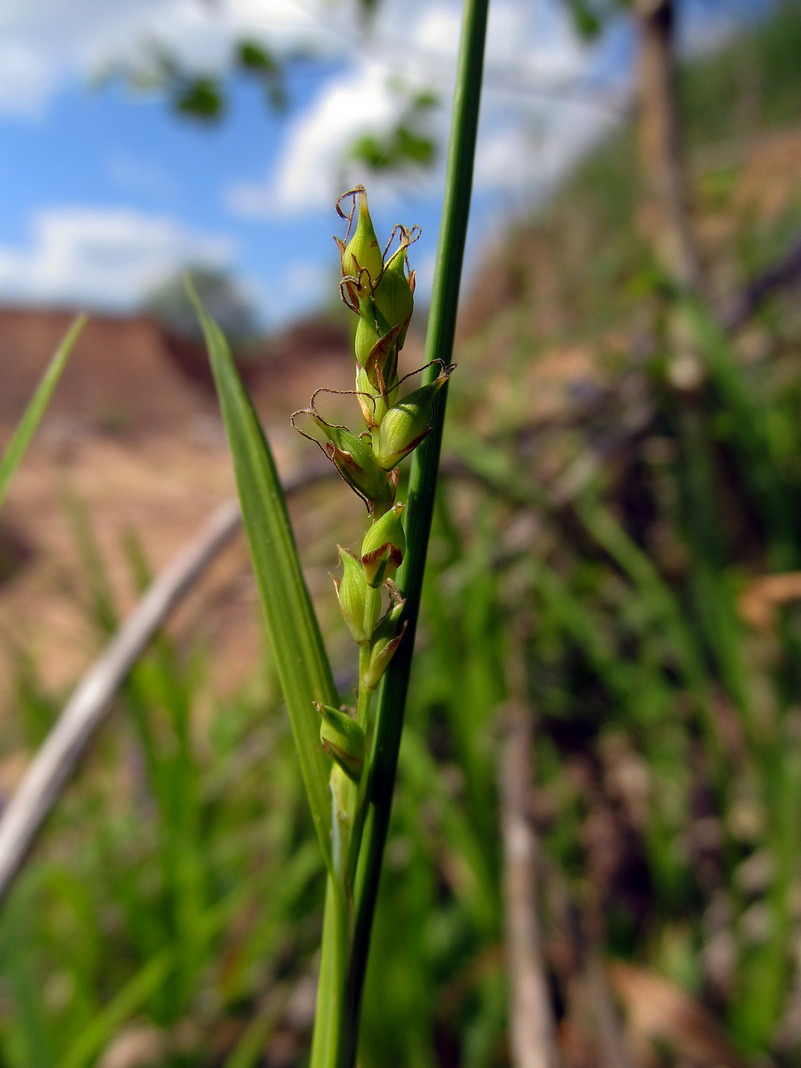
370 400
370 329
407 423
376 493
382 363
386 639
393 295
353 457
352 596
343 740
362 252
383 547
380 655
366 336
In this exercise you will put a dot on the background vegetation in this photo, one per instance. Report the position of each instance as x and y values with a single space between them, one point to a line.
611 598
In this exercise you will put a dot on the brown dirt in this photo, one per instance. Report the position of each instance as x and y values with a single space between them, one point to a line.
137 442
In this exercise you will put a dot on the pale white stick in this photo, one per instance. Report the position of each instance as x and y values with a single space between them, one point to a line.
57 758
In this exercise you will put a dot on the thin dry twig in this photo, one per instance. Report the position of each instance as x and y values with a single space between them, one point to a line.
59 755
532 1034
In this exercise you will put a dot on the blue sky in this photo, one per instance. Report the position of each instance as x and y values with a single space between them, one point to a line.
106 192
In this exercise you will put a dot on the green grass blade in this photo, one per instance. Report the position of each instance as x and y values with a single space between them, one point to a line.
32 416
35 1039
303 667
84 1051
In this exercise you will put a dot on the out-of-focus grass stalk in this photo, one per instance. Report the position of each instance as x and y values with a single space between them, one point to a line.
12 457
422 486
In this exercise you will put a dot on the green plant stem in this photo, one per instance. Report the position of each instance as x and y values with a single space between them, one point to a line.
330 984
348 803
422 486
372 600
362 718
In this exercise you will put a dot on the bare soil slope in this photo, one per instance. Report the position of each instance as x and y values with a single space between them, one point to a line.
135 439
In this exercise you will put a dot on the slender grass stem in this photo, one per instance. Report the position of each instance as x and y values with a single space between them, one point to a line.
422 486
330 986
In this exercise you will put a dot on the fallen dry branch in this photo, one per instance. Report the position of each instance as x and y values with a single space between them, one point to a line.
58 757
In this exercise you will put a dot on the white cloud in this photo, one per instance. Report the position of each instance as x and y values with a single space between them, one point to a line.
412 43
532 155
46 43
532 52
506 152
538 41
201 36
438 27
27 79
312 164
102 258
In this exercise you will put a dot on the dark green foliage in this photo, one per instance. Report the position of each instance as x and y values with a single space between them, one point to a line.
407 144
199 97
254 59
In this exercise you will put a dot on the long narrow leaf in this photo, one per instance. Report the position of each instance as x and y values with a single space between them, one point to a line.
32 416
297 644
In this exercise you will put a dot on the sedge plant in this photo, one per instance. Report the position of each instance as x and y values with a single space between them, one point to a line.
348 752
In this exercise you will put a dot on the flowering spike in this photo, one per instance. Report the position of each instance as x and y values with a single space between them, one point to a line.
362 476
382 363
372 404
